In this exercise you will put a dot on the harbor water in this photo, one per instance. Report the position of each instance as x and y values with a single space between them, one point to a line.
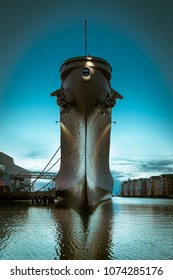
123 228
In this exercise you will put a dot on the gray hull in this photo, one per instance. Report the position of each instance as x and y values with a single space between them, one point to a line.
86 99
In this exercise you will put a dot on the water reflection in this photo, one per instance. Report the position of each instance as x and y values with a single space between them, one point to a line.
142 229
124 228
84 236
12 218
26 232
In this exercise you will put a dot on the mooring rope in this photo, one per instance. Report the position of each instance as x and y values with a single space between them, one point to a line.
43 171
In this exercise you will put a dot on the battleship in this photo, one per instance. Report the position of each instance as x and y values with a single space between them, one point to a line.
86 100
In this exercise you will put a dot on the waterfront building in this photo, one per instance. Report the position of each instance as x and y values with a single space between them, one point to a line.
149 188
166 182
142 185
125 188
156 189
9 179
155 186
131 187
136 187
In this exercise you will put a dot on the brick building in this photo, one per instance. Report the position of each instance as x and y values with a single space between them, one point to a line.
155 186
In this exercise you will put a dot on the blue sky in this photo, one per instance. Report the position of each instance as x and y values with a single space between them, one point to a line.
134 36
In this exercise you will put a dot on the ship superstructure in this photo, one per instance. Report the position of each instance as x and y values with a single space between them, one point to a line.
86 100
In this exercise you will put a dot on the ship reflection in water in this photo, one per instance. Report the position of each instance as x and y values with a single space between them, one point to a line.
124 228
85 236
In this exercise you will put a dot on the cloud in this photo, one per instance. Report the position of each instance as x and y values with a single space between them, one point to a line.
124 168
36 159
35 154
163 166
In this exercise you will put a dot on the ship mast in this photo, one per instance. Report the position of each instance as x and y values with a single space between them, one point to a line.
86 120
86 38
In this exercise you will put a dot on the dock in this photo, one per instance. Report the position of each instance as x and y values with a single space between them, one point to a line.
36 197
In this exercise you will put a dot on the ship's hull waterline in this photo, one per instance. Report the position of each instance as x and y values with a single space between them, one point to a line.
86 100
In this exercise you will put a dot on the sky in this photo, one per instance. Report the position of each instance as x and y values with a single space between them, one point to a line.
134 36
